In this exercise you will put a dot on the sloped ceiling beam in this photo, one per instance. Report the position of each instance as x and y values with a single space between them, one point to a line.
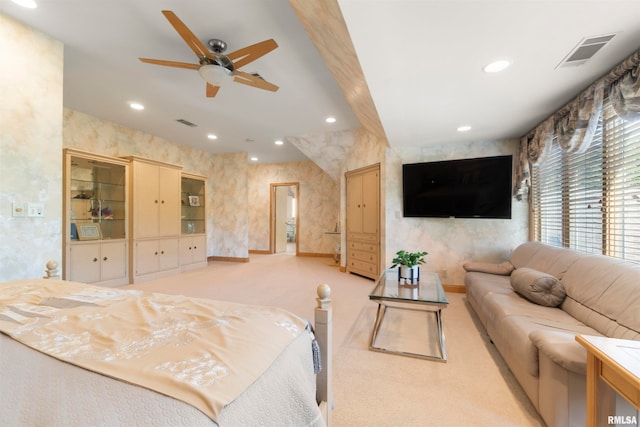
325 24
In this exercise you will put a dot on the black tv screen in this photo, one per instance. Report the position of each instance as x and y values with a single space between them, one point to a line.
465 188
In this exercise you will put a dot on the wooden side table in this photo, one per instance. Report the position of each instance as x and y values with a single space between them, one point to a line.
617 363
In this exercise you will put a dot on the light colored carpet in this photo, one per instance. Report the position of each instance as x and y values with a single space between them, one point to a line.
474 388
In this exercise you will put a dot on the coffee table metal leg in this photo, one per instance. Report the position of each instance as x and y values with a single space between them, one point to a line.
379 317
380 314
443 350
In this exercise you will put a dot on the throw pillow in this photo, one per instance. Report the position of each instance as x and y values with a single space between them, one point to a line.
503 269
538 287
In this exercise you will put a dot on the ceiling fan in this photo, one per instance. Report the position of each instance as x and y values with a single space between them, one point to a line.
213 66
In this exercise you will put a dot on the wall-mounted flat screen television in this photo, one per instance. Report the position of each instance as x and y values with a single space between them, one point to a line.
465 188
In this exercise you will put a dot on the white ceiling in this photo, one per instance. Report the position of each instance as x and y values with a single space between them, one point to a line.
422 61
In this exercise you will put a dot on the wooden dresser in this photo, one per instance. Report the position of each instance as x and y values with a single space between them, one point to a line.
363 221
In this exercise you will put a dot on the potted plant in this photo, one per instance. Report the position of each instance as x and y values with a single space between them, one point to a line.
409 263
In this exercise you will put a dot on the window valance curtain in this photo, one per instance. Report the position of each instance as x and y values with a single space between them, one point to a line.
574 125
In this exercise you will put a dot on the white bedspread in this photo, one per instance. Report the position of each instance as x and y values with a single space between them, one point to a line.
39 390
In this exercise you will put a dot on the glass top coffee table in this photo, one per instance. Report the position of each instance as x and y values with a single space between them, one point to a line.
426 295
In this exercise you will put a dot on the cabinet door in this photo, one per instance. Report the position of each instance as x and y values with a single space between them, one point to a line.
85 263
199 249
146 257
354 204
168 202
113 260
370 202
145 200
186 247
169 254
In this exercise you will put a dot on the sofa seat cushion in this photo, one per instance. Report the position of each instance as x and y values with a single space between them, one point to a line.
562 348
538 287
513 319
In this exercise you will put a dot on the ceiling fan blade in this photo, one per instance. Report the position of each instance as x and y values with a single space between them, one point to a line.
251 80
196 45
249 54
170 63
212 90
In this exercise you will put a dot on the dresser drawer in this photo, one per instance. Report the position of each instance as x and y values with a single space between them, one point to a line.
367 247
363 267
371 257
363 237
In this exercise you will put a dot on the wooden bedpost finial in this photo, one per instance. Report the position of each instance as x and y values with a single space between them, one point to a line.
324 296
52 270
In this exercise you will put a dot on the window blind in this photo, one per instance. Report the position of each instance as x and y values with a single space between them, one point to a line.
621 175
591 201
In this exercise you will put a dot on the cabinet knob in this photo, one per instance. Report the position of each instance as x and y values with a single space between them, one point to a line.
155 201
195 247
95 260
189 247
162 252
156 253
162 201
104 259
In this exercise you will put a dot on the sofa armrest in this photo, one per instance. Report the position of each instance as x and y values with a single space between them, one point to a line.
562 348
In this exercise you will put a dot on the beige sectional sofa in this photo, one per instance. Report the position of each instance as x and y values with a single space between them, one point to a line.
595 295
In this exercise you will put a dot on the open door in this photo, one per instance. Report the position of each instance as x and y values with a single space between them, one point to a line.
284 218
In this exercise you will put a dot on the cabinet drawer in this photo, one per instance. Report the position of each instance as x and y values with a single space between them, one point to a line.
361 266
363 237
371 257
367 247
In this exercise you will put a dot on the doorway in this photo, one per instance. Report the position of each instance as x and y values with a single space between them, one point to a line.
284 225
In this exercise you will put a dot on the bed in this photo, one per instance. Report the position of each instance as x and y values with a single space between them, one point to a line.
73 354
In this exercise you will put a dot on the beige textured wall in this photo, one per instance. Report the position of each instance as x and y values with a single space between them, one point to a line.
318 205
450 242
30 147
227 202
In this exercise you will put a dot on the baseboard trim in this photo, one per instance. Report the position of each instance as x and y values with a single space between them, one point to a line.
343 269
227 258
313 254
259 251
455 289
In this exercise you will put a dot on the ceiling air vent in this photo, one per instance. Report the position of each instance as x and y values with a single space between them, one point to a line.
585 50
186 123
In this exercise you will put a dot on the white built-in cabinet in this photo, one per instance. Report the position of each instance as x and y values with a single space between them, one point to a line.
130 219
155 229
95 246
193 238
363 221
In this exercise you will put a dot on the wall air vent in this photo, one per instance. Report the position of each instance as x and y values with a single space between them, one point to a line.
186 123
585 50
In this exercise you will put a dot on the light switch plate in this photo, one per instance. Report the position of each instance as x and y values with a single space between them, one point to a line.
18 210
35 210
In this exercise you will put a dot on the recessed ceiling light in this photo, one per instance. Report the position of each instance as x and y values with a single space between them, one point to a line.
212 136
136 106
31 4
278 142
465 128
330 120
254 159
497 66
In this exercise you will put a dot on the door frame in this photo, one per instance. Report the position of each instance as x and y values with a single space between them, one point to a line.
272 213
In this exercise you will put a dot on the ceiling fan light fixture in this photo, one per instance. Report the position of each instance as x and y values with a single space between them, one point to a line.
215 74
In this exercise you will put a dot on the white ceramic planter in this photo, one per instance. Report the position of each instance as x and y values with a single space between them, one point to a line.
411 273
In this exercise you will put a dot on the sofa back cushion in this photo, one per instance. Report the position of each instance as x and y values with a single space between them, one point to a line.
547 259
604 293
